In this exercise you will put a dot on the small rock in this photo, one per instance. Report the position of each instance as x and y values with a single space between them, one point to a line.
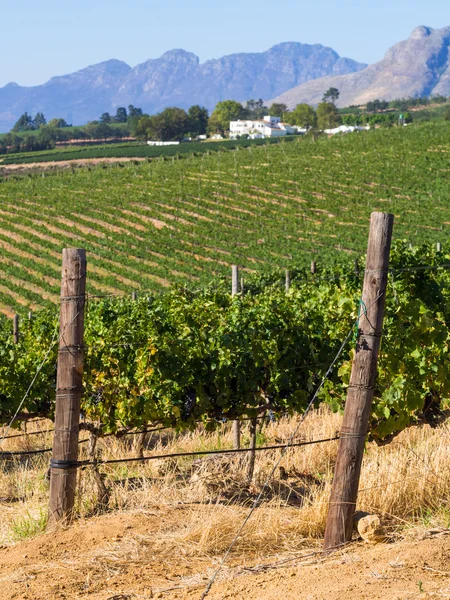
371 530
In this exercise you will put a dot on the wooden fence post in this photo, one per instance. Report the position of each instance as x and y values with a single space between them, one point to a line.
288 280
242 287
16 334
236 427
30 315
438 247
313 267
234 280
63 470
134 295
344 492
356 267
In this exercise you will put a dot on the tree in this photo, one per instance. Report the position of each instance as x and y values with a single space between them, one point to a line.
46 138
377 105
121 115
105 118
39 120
277 110
198 120
96 130
24 123
332 94
255 109
142 128
225 111
59 123
170 124
327 116
134 112
304 116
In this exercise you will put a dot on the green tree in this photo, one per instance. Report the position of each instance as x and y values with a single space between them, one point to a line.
225 111
134 112
327 116
332 95
278 110
142 127
256 109
24 123
105 118
377 105
121 115
304 116
198 120
39 120
96 130
170 124
59 123
46 138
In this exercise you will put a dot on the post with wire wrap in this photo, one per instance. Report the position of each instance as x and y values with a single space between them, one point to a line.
236 427
16 333
64 462
344 491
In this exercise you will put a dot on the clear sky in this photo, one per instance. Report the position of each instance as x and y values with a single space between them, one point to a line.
43 38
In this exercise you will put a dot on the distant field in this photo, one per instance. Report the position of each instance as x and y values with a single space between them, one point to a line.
127 150
149 225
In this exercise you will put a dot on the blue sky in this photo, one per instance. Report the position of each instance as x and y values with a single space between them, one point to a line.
50 37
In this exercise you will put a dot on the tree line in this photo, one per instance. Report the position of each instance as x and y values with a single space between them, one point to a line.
174 123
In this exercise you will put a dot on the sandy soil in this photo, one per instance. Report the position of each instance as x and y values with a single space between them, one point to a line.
120 556
67 163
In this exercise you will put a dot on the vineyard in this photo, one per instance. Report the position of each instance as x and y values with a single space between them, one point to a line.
130 150
161 373
190 356
185 220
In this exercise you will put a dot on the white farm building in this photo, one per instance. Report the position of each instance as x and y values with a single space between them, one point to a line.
268 127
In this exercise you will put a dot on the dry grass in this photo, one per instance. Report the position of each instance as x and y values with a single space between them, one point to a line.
407 483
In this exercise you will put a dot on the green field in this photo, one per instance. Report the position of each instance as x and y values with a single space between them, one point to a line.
128 150
186 220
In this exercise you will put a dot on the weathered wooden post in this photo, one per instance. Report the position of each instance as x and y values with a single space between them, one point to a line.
234 280
344 492
356 267
438 247
134 295
16 333
288 280
236 428
63 465
313 267
30 315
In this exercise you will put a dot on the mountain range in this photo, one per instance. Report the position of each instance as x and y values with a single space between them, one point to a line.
290 72
177 78
418 66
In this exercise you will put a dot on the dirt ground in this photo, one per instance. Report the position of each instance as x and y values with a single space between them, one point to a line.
120 556
50 165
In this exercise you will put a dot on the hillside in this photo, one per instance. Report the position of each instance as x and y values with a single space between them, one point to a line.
166 532
147 225
176 78
418 66
114 557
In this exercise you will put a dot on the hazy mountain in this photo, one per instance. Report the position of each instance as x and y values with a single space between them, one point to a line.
176 78
418 66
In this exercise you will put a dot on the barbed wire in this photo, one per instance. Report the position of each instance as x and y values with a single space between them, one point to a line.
86 463
271 416
55 339
286 448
